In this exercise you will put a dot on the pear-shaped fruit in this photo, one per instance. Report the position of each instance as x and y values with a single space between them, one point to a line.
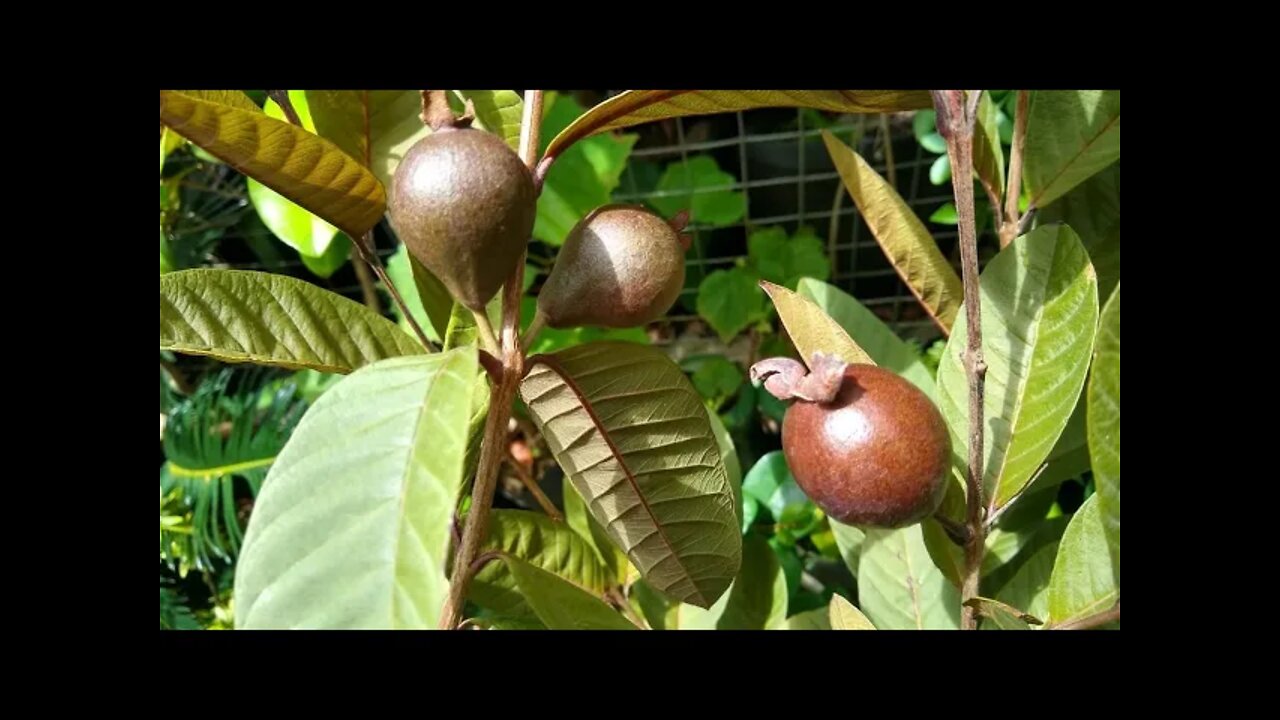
464 205
621 266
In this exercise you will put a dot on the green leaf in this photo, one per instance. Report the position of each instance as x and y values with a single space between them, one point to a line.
1004 616
925 127
1092 209
945 215
816 619
169 141
332 260
844 616
898 586
850 540
940 170
423 292
998 568
729 458
581 521
945 554
322 551
1028 589
811 329
1084 580
631 432
884 347
718 378
1071 134
765 478
701 187
785 261
304 168
561 604
1104 423
905 241
635 107
988 154
582 179
498 111
1039 314
756 600
730 301
542 542
243 316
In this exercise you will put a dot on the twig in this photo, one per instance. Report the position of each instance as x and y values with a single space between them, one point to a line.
956 125
616 598
531 485
365 248
495 428
1009 229
1092 621
890 170
282 99
366 281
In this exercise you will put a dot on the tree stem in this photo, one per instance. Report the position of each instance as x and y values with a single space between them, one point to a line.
957 124
494 446
1013 188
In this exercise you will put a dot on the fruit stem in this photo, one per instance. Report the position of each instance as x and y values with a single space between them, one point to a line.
535 327
494 446
485 328
956 120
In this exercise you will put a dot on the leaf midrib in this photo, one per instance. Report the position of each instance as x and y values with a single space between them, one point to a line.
554 365
1035 201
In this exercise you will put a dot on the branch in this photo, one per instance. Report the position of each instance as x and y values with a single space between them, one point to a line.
956 125
494 445
531 485
1010 229
282 99
364 246
1092 621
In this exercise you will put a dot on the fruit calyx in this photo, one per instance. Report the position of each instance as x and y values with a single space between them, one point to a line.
437 114
788 379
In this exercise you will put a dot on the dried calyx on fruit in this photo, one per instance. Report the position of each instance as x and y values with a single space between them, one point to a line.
621 266
464 204
865 445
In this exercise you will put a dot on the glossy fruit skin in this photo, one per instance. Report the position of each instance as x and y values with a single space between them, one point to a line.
877 455
464 204
621 266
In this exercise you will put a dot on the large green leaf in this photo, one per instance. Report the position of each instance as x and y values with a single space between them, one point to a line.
632 433
635 107
301 230
988 153
729 459
582 179
757 599
352 524
1039 315
1071 134
870 333
849 540
542 542
731 301
815 619
844 616
561 604
585 526
898 586
1104 423
498 111
1085 581
905 240
811 328
1028 589
1092 209
301 166
1002 563
244 316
